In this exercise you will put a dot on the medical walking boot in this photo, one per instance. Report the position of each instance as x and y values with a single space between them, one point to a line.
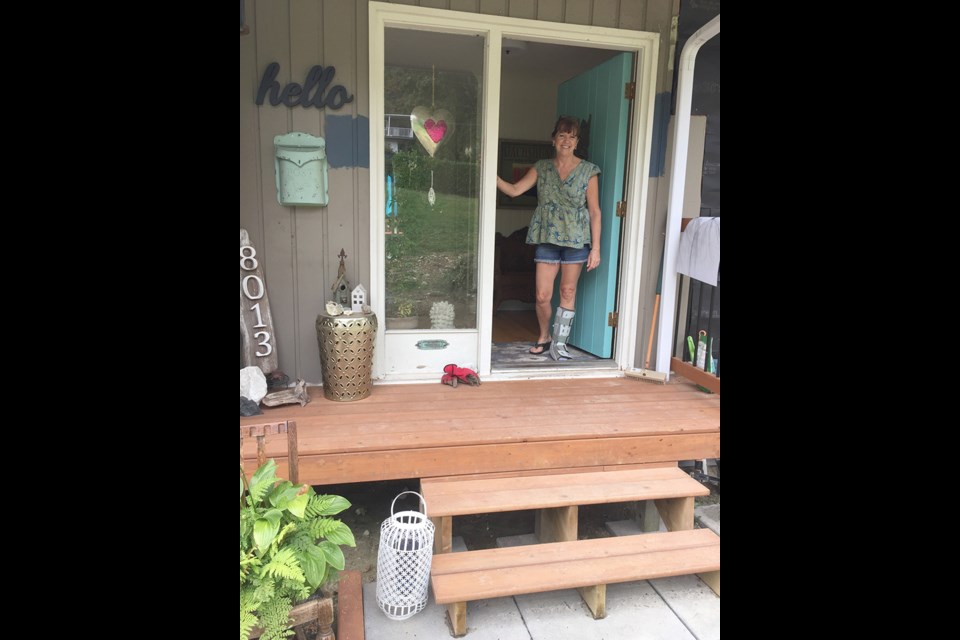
561 330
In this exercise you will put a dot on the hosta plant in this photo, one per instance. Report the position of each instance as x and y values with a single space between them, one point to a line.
289 546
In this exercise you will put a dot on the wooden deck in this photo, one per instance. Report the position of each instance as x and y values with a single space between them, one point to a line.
427 430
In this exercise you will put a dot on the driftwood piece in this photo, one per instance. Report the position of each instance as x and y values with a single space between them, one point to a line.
288 396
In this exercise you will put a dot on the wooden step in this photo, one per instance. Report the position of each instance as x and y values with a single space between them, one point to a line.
452 497
588 565
562 561
492 573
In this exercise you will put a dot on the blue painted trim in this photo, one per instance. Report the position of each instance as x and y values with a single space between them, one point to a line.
348 141
661 122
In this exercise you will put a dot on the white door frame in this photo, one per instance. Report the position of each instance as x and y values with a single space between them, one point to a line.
494 28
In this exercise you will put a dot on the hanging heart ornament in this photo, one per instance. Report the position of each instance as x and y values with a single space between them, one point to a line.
432 128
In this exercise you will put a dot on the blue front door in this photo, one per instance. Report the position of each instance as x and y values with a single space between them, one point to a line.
597 96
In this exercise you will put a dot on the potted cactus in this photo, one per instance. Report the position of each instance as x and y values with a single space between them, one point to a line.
441 315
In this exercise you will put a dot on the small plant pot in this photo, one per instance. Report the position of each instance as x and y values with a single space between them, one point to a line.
411 322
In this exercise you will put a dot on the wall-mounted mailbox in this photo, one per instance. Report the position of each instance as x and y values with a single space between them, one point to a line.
301 169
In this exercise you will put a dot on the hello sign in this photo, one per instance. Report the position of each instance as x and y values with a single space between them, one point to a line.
318 80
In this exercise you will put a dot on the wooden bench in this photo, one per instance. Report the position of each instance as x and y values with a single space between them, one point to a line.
557 496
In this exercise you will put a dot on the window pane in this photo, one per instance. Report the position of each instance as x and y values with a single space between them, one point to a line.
432 131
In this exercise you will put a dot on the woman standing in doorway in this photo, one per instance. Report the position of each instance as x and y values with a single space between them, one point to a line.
566 229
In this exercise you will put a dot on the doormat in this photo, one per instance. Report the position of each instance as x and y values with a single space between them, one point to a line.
514 353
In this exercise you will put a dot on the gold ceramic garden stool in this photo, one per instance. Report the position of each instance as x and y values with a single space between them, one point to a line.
346 354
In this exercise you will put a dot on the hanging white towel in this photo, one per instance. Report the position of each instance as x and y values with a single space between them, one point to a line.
699 255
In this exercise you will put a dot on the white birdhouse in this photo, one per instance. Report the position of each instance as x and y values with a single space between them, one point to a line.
358 298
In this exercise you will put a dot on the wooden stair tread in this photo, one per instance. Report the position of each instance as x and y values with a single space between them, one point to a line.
451 497
493 573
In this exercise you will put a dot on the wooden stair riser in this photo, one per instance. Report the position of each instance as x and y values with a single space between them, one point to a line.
457 612
542 472
677 513
442 534
712 580
595 598
556 525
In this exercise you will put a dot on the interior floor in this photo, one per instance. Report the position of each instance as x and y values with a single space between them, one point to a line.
514 332
515 326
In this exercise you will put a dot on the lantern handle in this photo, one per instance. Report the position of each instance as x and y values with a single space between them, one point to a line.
422 501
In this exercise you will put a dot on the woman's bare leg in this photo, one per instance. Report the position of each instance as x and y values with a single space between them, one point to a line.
546 276
569 276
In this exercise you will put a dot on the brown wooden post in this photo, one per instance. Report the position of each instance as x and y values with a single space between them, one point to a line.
458 618
442 534
325 619
260 432
293 456
350 606
595 598
261 450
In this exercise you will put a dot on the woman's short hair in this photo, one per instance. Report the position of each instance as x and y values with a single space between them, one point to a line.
566 124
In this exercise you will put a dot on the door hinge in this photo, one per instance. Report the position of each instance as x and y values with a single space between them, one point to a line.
629 90
621 209
613 318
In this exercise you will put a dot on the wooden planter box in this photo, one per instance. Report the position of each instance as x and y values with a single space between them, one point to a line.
349 611
320 610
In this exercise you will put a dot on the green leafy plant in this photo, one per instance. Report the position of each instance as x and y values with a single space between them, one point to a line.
289 546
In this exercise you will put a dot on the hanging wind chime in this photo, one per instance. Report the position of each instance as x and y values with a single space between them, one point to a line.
432 127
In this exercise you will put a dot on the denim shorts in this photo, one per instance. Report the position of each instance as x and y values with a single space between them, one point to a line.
552 254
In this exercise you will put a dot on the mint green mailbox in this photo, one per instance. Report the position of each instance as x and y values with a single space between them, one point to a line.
301 169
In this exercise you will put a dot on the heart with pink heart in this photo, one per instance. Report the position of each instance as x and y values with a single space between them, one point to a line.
435 129
432 128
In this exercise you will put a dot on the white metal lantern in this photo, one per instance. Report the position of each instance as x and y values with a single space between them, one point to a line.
358 298
403 561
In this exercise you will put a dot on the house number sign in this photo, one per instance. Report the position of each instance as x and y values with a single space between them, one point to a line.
256 324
